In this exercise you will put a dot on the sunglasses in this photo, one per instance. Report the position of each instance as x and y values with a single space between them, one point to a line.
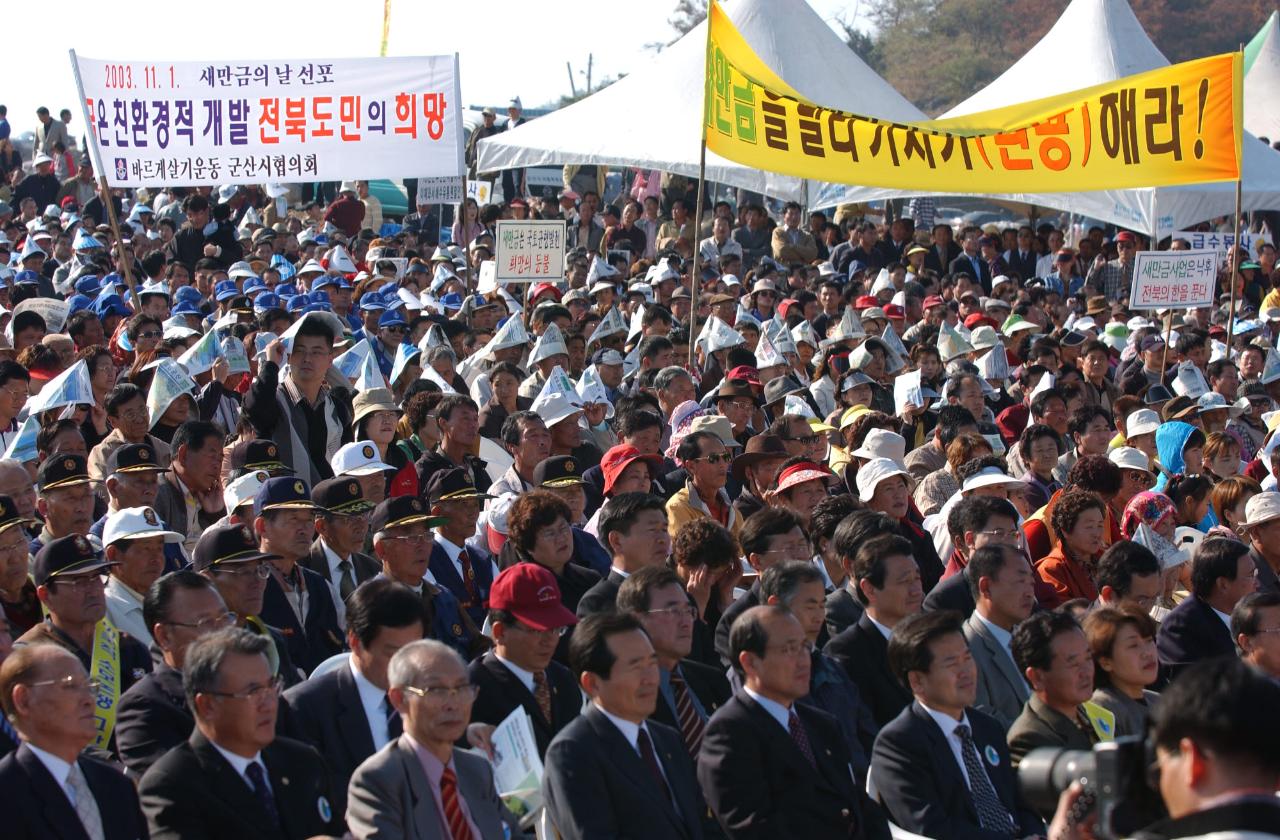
716 458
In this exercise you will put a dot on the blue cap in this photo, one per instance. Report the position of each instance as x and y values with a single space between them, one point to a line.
225 290
114 280
185 307
265 301
282 493
392 318
109 304
318 296
388 290
855 266
322 239
254 284
453 300
372 303
26 278
77 302
415 268
299 302
344 283
316 307
187 294
322 281
286 290
88 285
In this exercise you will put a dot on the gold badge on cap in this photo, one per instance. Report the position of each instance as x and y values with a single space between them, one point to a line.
144 454
353 488
367 451
246 533
299 487
69 464
271 451
150 516
82 545
569 466
416 504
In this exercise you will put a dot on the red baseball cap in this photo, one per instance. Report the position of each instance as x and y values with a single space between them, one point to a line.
530 593
932 301
747 373
977 319
622 456
1126 236
895 312
543 287
866 302
785 307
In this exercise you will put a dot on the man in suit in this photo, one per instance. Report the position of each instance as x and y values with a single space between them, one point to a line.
192 482
628 528
970 261
341 523
888 584
689 692
51 787
943 250
1022 259
421 785
613 772
1004 587
154 717
296 599
233 777
941 766
1053 653
346 713
527 620
465 570
770 766
1199 628
843 606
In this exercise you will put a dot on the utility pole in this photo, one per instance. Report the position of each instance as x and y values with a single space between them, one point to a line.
572 87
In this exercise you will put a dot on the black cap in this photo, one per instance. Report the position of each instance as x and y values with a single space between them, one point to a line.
258 454
1073 339
66 556
134 458
62 469
399 511
452 485
558 471
282 493
341 495
1157 393
9 515
226 544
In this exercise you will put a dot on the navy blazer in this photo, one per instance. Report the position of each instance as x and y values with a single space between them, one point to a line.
447 576
760 785
924 789
864 653
1190 633
37 809
502 692
152 718
319 637
596 784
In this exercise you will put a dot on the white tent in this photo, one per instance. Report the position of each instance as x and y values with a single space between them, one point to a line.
1262 85
651 118
1097 41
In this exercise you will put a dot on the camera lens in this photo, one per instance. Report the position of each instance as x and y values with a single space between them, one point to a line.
1046 772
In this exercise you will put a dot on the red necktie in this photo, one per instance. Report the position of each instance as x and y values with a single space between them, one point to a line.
542 693
459 829
468 578
691 725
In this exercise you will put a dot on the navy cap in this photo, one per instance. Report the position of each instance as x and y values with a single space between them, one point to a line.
322 281
372 303
226 544
341 495
399 511
66 556
26 278
62 469
134 458
257 454
452 485
282 493
265 301
89 284
558 471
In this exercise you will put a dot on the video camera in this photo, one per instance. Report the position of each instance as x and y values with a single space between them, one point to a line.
1117 781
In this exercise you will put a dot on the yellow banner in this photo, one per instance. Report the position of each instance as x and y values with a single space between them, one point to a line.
1176 125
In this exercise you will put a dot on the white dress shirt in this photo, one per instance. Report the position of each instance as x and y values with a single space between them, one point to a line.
241 765
334 579
776 710
374 702
884 631
631 731
521 674
1226 619
124 609
453 552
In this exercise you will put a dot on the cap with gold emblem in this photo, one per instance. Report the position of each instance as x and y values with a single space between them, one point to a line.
558 471
64 557
227 544
258 454
62 469
341 495
134 458
9 515
452 485
399 511
136 523
282 493
358 458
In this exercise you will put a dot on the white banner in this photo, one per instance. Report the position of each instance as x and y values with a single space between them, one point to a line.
1221 242
530 250
188 123
1173 279
446 190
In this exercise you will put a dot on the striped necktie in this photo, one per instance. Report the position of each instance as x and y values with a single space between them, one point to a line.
459 828
691 723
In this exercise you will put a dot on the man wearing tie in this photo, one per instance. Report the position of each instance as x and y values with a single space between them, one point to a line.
234 777
464 570
421 785
346 712
612 772
51 789
342 522
941 767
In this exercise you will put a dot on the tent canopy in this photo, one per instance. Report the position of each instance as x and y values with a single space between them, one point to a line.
1262 84
652 118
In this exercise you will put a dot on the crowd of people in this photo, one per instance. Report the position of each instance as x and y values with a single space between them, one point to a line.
825 537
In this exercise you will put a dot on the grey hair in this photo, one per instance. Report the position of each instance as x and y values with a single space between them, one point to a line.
205 656
15 464
408 665
668 375
441 352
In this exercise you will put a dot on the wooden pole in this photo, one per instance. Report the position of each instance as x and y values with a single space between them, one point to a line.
1235 271
694 291
126 262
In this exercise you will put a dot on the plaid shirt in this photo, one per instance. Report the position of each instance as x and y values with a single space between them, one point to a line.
1112 279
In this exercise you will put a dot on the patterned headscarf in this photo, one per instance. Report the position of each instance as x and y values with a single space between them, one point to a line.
1147 507
682 423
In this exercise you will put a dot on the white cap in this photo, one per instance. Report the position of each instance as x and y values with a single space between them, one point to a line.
240 269
872 473
41 158
136 523
989 477
1144 421
882 443
983 338
716 425
1128 458
358 458
243 489
557 407
1263 507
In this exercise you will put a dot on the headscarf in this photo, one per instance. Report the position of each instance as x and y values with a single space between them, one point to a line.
682 423
1149 508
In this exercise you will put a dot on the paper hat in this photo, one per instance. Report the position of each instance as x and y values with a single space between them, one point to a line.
550 343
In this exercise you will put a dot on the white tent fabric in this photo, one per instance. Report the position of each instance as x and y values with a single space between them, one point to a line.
1262 86
651 118
1097 41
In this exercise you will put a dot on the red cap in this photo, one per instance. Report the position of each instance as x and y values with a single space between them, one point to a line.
866 302
622 456
932 301
750 374
1126 236
977 319
799 474
543 287
529 592
785 307
895 312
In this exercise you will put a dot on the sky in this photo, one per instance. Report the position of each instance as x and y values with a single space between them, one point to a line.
507 47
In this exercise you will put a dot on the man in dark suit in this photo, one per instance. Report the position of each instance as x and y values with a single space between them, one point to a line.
527 623
771 767
154 717
193 478
296 600
1199 628
345 712
1051 649
970 262
941 767
52 788
943 250
234 777
465 570
1022 259
627 528
888 584
613 772
342 523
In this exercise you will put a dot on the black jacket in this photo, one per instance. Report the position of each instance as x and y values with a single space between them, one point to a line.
318 637
37 809
502 692
748 599
601 597
152 718
187 246
843 611
1190 633
864 653
1259 814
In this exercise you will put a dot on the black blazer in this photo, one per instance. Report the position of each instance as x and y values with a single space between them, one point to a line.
601 597
710 686
596 785
363 566
941 262
749 599
843 611
1190 633
326 713
318 637
759 784
8 745
501 692
923 788
951 593
37 809
961 264
192 793
864 653
152 718
1025 267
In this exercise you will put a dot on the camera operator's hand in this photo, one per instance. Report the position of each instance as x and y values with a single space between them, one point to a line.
1068 823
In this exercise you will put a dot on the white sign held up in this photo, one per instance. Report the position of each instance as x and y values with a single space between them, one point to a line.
445 190
530 250
1173 279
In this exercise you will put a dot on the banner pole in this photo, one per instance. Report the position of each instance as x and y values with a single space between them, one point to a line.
1235 272
698 202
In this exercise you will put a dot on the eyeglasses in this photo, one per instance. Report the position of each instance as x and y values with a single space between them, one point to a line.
150 334
745 405
683 611
716 458
205 625
259 570
440 693
134 415
1002 535
16 393
270 689
558 632
396 329
807 440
